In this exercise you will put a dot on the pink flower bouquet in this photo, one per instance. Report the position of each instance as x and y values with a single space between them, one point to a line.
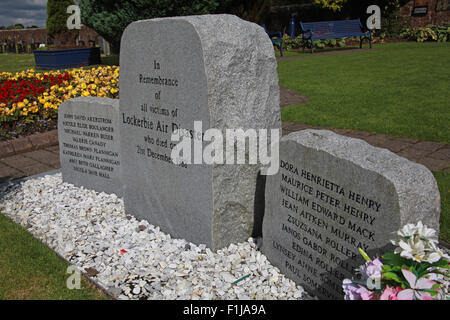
416 270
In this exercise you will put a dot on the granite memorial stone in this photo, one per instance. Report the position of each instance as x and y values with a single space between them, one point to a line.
217 69
334 195
89 143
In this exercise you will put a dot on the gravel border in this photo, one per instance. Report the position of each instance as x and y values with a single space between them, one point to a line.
152 264
51 172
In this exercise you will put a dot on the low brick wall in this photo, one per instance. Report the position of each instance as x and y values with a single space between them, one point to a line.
39 35
32 142
438 13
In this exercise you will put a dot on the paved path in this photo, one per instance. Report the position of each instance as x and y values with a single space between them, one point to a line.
29 163
434 155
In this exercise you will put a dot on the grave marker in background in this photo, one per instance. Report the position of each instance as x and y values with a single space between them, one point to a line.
333 195
89 143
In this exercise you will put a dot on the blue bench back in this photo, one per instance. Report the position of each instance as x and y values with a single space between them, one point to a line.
334 29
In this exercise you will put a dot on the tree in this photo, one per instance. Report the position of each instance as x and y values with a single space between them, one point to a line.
335 5
110 17
250 10
57 22
15 26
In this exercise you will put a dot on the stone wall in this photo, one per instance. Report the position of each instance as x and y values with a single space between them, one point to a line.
39 35
438 13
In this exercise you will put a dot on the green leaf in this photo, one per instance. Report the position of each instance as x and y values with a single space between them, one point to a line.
364 255
395 259
431 292
442 263
386 268
393 276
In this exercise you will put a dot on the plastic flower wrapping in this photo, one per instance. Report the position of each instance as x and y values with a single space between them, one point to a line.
416 270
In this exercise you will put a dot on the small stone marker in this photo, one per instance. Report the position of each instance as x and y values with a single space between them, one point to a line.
89 143
217 69
333 195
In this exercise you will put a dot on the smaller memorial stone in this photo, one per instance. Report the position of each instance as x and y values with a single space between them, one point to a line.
334 195
89 143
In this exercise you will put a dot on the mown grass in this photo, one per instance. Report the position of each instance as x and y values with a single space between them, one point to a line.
29 270
19 62
402 89
443 180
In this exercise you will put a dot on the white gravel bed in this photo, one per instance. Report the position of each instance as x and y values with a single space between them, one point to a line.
133 259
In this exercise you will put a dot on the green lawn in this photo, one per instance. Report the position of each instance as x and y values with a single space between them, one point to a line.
443 180
401 89
19 62
16 62
30 270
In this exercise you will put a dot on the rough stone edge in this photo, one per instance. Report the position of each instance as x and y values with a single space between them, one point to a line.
375 159
40 175
10 148
263 56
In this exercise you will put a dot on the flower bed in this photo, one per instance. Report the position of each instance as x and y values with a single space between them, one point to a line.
416 270
29 100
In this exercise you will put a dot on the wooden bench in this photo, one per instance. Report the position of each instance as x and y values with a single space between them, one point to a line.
276 37
331 30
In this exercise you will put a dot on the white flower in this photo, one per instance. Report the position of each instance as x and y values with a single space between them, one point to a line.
424 232
410 249
418 243
437 254
408 230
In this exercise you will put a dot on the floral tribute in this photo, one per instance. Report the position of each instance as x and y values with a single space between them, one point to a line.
416 270
31 98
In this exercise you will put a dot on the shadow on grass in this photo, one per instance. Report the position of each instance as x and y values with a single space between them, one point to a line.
307 52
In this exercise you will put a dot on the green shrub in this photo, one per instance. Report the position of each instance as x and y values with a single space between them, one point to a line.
289 43
429 33
110 17
296 43
57 16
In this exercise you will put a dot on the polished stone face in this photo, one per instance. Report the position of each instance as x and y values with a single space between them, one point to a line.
334 195
89 143
217 69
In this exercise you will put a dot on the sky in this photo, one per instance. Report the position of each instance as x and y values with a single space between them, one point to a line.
26 12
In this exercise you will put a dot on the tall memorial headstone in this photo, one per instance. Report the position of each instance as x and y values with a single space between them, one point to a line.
89 143
217 69
334 195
